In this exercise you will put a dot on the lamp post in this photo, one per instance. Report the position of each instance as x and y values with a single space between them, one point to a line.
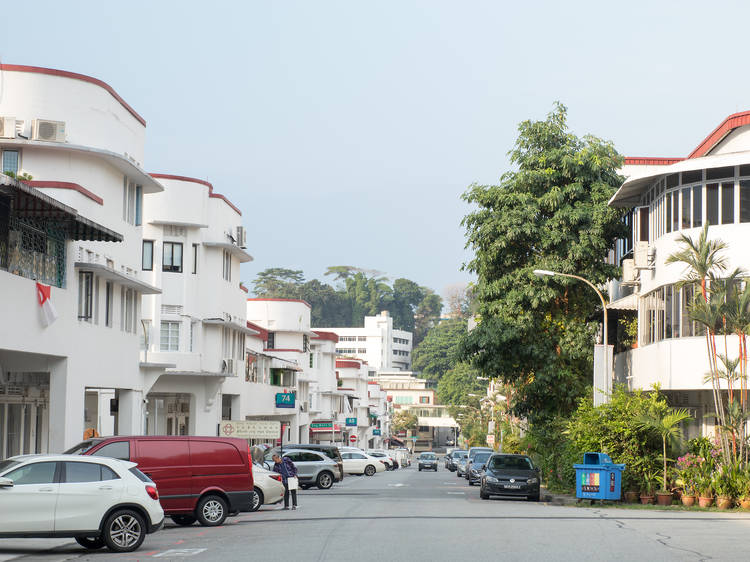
608 374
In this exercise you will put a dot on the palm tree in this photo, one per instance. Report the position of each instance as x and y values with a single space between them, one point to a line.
665 422
702 257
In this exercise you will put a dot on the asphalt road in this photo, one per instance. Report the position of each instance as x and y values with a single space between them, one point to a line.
411 515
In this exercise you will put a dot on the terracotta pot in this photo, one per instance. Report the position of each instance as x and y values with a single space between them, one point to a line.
745 503
646 500
705 502
723 502
688 501
631 497
664 498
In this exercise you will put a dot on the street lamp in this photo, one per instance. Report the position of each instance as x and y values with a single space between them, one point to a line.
547 273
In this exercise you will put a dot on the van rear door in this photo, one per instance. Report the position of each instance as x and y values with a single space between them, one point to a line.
220 464
167 462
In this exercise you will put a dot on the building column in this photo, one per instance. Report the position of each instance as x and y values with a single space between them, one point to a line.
66 405
129 412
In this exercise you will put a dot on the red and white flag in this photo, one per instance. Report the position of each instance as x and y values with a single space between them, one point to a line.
43 294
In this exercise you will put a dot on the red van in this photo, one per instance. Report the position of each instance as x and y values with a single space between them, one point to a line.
199 478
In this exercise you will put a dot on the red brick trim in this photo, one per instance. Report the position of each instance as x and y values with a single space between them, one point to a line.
646 161
344 364
74 76
66 185
211 193
725 127
263 333
330 336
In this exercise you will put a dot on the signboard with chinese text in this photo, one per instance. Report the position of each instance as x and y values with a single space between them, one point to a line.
250 429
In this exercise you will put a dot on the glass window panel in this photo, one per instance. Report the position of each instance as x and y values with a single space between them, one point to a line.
82 472
668 311
712 203
668 217
727 203
673 180
686 208
10 161
675 210
643 224
692 176
744 200
720 173
177 256
148 255
745 170
697 206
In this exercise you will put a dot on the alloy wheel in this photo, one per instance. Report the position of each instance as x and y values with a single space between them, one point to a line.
213 510
125 531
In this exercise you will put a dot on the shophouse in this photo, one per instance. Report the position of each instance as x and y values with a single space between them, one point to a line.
75 226
193 245
377 343
380 412
665 198
326 400
359 421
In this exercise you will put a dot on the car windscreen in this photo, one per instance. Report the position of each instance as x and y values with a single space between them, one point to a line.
82 447
428 456
510 463
5 465
480 458
458 454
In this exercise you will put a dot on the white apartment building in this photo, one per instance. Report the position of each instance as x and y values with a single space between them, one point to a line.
377 343
668 197
359 422
193 245
77 228
327 402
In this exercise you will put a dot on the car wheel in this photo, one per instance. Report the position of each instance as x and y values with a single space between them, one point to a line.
211 511
484 495
92 543
183 520
124 531
370 470
257 500
324 481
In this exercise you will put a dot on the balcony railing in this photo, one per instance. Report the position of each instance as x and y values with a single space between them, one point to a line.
33 248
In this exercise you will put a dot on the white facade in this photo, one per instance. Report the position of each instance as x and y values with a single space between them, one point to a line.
57 381
377 343
669 197
192 250
354 376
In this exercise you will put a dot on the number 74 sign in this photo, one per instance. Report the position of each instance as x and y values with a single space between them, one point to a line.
285 400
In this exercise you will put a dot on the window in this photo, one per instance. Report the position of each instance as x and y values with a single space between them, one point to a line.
305 343
147 255
668 221
311 360
108 302
128 310
744 200
675 210
170 336
727 203
36 473
10 161
712 203
132 202
643 224
692 176
424 399
720 173
697 206
76 472
686 208
138 204
172 257
117 450
195 258
85 295
271 341
361 338
226 271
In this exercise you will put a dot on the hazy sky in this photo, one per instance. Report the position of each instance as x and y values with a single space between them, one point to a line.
346 131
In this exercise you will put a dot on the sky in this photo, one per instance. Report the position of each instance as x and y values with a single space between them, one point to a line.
347 131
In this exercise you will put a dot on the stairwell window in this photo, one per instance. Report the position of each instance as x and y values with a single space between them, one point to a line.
227 265
170 336
108 303
271 341
132 202
172 257
85 295
147 255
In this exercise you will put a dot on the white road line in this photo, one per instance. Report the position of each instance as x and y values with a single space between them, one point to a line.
456 493
179 552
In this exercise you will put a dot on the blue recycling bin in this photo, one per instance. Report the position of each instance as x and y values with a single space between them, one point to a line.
598 478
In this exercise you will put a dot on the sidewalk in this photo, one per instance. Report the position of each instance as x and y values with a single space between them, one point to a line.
16 548
556 498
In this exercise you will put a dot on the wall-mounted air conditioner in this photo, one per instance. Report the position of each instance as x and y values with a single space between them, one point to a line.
227 366
7 127
629 273
241 237
45 130
642 257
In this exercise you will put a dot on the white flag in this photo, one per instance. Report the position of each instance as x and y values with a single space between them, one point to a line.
49 314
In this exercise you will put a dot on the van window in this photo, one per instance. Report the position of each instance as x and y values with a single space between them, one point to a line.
117 450
163 452
214 452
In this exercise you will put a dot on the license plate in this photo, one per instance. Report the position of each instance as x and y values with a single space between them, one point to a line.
512 486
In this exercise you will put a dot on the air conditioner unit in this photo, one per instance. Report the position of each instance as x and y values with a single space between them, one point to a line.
229 366
629 273
641 256
44 130
7 127
241 237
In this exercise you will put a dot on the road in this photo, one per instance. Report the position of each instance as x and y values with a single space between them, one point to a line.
411 515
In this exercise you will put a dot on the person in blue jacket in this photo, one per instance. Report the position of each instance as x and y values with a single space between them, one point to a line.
286 468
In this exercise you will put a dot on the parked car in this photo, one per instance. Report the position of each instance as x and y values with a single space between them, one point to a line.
472 453
390 462
428 461
98 501
313 468
510 475
361 463
200 478
331 451
461 464
267 487
474 467
453 457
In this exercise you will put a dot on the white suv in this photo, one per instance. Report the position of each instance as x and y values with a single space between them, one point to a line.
97 500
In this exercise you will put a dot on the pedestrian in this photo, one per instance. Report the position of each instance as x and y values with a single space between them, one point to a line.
288 471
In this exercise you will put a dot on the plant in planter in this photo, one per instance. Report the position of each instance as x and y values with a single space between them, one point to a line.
649 483
705 491
743 489
687 475
725 485
664 493
630 485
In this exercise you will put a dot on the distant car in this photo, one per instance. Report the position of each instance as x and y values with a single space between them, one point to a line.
313 468
331 451
390 462
428 461
98 501
510 475
461 464
474 467
268 488
361 463
452 462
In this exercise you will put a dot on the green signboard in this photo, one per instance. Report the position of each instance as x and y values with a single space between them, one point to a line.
376 432
351 422
321 425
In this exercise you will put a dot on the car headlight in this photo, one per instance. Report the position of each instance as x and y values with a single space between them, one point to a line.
491 479
532 481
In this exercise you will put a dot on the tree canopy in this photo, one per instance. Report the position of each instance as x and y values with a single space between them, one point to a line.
550 212
437 353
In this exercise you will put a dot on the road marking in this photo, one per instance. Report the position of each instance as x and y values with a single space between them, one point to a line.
458 493
399 485
179 552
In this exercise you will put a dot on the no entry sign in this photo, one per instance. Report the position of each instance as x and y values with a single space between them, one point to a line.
353 438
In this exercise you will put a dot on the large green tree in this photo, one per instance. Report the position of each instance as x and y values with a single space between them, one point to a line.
458 383
437 353
549 212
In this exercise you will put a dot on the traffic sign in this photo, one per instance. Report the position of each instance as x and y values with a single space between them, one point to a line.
353 438
491 439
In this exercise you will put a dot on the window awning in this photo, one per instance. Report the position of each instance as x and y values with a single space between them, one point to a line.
120 278
235 250
625 303
29 202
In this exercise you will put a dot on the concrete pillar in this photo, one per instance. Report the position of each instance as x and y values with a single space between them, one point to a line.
65 408
129 412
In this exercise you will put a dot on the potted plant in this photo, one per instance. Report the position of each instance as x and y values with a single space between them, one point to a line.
663 494
725 480
705 492
649 480
743 489
687 471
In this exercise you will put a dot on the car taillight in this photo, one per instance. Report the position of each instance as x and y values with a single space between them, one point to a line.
382 462
152 492
276 477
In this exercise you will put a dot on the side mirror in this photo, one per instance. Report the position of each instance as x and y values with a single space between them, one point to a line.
6 482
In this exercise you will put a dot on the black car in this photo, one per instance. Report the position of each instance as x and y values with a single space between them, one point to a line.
428 461
474 468
510 475
452 462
